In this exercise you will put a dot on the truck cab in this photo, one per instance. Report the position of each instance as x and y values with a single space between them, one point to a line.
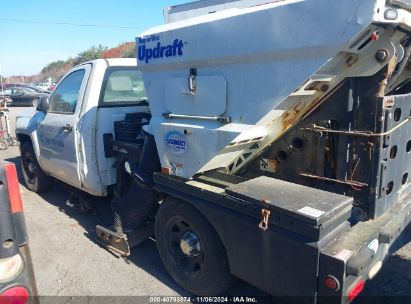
63 137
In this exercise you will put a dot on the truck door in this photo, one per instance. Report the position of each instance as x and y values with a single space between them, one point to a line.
57 133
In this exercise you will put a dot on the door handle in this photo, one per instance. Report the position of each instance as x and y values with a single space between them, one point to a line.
68 128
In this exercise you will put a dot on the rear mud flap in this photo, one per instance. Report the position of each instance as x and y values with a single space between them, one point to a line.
115 242
121 243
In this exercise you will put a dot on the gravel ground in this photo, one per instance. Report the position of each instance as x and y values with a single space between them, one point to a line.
68 262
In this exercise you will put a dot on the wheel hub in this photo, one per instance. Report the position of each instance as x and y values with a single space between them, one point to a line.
190 244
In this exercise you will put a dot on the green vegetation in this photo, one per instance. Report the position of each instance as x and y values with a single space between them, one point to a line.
92 53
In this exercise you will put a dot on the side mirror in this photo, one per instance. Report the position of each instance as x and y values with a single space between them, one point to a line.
43 105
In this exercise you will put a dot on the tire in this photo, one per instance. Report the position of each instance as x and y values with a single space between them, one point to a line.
35 102
34 177
202 268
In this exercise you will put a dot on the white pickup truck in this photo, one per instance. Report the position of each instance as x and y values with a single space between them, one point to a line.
276 149
63 137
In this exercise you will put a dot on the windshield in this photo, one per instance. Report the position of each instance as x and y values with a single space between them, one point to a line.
124 86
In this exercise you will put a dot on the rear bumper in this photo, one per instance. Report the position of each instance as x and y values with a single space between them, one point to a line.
359 253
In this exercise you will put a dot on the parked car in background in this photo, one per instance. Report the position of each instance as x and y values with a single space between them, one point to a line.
43 86
51 87
38 90
5 86
17 281
22 96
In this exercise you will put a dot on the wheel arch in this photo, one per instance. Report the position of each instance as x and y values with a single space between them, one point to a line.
25 138
35 178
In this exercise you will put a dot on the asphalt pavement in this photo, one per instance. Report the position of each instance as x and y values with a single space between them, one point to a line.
69 263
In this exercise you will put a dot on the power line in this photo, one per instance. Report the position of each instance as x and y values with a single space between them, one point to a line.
69 24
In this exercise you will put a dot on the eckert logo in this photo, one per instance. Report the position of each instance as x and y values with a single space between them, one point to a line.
176 142
159 51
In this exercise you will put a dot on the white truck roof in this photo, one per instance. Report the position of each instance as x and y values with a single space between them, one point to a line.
122 61
204 7
115 61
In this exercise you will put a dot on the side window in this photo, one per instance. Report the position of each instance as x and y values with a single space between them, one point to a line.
65 96
123 86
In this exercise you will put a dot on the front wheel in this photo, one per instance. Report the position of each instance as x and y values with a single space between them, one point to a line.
36 180
191 250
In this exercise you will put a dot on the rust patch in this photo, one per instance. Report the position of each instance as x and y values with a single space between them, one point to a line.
388 103
319 86
299 107
302 110
268 165
324 88
319 100
351 59
375 86
291 116
382 85
288 119
327 179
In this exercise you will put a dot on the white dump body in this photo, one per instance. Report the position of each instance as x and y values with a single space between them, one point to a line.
248 62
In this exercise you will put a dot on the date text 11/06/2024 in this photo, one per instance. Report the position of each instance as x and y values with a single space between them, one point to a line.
173 299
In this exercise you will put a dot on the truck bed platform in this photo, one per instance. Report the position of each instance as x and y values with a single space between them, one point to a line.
323 246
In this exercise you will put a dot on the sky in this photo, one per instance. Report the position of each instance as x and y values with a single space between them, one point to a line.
37 32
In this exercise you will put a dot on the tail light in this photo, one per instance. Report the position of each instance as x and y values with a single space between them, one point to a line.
355 289
332 283
15 295
10 268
